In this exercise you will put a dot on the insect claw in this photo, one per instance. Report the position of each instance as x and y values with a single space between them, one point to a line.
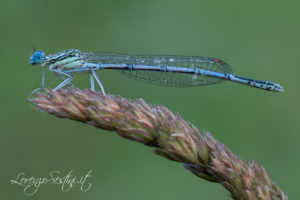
33 92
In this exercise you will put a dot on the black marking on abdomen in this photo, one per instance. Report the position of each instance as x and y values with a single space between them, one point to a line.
129 67
164 68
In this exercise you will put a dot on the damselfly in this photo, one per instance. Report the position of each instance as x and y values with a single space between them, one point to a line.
163 70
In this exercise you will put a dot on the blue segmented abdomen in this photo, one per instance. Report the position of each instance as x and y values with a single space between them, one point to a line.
205 70
258 84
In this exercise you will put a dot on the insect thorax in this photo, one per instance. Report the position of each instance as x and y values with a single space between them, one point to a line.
69 59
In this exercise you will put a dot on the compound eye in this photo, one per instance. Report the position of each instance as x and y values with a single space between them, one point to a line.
37 57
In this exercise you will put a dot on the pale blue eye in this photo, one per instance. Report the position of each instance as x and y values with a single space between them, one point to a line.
37 57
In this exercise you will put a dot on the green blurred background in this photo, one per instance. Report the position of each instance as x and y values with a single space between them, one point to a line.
259 39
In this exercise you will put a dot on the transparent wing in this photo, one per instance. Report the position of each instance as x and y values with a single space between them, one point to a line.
160 77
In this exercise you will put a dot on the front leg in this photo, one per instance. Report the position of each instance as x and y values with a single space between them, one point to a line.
42 86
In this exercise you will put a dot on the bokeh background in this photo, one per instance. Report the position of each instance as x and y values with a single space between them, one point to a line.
259 39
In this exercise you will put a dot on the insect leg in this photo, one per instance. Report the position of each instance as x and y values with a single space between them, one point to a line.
43 83
65 81
99 82
92 82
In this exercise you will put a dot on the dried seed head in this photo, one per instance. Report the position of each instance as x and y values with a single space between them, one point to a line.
169 134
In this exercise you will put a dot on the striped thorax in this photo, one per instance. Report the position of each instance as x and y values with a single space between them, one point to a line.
69 59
